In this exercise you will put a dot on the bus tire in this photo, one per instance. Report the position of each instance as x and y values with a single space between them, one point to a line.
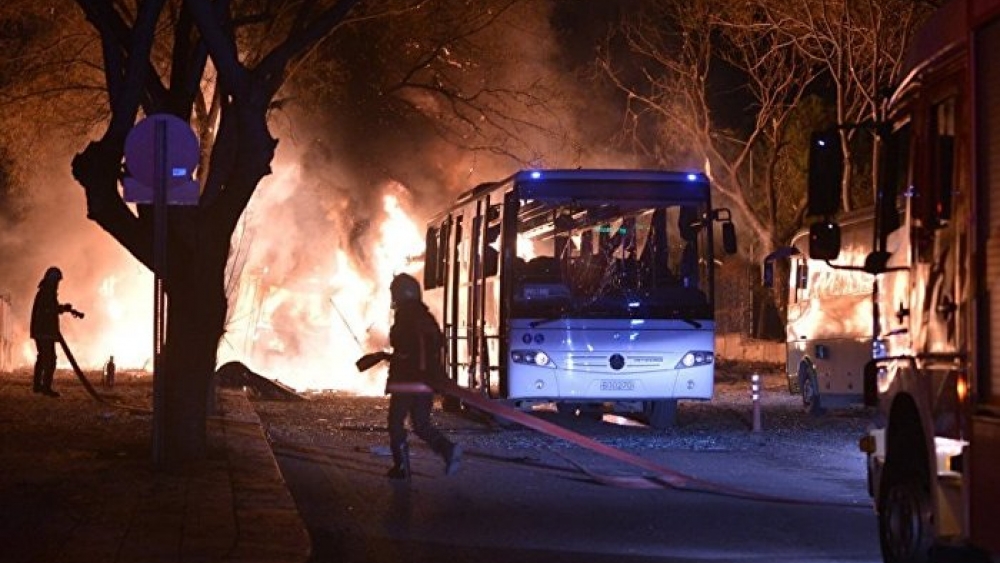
451 404
660 414
811 402
905 520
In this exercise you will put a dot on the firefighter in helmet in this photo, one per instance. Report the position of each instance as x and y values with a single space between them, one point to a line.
45 313
416 342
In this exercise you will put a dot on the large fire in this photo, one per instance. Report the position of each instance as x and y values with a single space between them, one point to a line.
306 325
298 315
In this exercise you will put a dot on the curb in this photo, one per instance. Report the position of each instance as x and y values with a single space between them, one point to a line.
268 524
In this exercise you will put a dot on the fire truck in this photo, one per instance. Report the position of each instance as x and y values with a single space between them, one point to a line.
934 453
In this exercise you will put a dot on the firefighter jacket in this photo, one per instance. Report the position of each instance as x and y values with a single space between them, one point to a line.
416 342
45 313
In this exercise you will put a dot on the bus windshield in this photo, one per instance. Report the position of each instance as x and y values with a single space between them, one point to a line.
603 260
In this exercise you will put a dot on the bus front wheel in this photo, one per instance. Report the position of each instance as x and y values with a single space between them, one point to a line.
451 404
660 414
810 391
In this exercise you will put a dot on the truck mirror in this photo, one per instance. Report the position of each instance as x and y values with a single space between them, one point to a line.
824 240
729 237
826 170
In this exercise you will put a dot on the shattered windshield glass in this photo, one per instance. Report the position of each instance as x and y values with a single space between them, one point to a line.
612 261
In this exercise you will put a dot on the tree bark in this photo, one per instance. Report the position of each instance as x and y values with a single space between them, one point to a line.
196 310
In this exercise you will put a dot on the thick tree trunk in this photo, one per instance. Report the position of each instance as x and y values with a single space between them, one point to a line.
197 304
196 309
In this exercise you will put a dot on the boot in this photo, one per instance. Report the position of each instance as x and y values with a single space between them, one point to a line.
397 472
401 462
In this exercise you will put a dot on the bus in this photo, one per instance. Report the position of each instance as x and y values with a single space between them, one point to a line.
934 451
580 288
828 333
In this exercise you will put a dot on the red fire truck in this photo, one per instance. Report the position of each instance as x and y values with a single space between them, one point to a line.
934 456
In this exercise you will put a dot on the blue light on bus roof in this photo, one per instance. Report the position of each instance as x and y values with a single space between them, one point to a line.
536 174
692 177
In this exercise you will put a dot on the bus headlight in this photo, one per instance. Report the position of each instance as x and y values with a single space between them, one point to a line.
695 358
531 357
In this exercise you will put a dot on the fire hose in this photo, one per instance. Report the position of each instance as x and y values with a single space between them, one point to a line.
86 382
659 475
79 372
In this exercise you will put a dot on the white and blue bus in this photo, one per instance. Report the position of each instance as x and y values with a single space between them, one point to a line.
580 288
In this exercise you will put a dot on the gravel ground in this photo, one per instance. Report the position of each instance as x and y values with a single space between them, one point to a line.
343 420
722 424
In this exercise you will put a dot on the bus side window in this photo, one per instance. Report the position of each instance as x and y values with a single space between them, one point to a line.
431 259
491 256
803 275
801 279
443 256
491 242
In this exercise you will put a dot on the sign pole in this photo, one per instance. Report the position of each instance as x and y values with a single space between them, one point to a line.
163 180
160 178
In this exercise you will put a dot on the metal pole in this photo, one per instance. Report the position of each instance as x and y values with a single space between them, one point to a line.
160 176
755 390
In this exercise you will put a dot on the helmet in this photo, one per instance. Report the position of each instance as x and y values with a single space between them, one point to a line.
53 274
404 287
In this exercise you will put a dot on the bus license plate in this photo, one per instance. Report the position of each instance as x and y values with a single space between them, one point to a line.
617 385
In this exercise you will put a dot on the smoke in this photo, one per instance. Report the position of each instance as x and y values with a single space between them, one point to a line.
353 186
99 277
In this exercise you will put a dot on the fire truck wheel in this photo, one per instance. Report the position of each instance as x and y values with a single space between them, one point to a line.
905 521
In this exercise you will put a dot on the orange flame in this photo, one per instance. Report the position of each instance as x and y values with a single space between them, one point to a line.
307 333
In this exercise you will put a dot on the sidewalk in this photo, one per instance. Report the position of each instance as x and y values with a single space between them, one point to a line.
77 485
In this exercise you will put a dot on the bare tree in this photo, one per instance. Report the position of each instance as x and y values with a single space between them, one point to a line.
464 74
202 45
680 48
45 46
860 46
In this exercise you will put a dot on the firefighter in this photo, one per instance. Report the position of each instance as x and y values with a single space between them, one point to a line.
45 313
415 361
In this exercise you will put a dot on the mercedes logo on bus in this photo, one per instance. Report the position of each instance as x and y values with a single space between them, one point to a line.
617 361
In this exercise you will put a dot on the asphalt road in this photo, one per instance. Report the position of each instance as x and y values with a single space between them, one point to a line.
523 497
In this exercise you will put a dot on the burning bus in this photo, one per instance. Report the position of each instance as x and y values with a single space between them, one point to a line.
580 287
